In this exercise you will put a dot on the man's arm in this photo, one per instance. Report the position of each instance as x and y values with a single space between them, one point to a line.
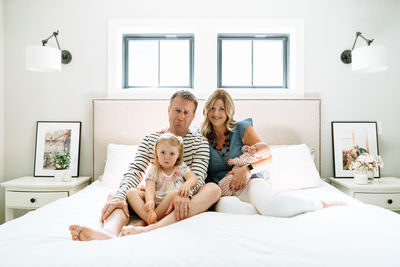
138 167
199 166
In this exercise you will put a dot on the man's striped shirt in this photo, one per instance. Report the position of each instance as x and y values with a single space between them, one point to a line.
196 155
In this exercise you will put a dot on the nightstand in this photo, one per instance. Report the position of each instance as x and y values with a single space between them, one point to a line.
33 192
383 192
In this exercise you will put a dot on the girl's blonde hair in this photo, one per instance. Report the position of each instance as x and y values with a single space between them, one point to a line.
173 140
206 127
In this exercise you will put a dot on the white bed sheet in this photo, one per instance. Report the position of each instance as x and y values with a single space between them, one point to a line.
353 235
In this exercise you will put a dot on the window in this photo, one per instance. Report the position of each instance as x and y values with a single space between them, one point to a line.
158 60
253 60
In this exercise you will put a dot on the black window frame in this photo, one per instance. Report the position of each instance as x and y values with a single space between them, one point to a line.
254 37
170 36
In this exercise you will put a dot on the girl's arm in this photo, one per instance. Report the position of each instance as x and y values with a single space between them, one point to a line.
149 194
190 182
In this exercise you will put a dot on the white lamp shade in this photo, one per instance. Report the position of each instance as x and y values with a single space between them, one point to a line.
43 58
369 59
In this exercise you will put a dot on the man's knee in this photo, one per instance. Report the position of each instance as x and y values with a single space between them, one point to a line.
213 191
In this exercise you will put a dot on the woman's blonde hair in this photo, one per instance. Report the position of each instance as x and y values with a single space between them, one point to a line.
206 127
173 140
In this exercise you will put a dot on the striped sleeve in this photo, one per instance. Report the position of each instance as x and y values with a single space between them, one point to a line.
200 159
137 168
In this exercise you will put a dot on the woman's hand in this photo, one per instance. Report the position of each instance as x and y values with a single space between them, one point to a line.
240 178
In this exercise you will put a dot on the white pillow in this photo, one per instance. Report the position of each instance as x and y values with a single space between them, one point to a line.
293 168
117 164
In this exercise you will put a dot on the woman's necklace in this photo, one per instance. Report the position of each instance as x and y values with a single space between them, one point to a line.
225 145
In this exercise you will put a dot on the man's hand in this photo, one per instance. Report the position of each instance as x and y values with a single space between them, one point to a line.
181 207
111 205
240 178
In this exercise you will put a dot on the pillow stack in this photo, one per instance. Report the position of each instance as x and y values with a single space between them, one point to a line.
293 168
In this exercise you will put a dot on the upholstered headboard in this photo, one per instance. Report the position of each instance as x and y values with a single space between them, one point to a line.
277 121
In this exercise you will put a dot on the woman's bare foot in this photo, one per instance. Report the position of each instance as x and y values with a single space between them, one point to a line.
151 217
132 230
140 223
82 233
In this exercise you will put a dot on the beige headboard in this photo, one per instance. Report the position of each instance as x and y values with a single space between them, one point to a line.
277 121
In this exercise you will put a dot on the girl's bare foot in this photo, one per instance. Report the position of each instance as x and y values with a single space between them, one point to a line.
140 223
132 230
82 233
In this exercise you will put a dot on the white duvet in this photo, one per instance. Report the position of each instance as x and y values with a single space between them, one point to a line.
353 235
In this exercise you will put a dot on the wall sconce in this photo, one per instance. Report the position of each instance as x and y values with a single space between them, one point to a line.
46 59
370 58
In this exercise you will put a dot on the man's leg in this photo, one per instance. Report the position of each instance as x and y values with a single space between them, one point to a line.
201 202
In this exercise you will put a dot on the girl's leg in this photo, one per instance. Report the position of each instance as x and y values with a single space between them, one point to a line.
136 200
164 205
207 195
270 203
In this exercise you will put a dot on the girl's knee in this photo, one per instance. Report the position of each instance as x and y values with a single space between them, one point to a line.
172 195
132 192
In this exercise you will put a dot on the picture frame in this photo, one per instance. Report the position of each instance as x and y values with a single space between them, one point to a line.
61 138
349 140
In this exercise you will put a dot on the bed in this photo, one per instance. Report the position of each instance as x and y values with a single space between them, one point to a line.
351 235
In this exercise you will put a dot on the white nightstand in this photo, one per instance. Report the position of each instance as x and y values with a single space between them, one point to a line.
383 192
33 192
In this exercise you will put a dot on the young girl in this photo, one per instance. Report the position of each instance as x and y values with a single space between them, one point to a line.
167 177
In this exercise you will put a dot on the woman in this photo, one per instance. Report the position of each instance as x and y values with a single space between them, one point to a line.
226 138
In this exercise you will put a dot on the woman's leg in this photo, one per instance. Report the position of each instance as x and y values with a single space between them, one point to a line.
270 203
207 195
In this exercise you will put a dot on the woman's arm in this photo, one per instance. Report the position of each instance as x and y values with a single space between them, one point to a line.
242 174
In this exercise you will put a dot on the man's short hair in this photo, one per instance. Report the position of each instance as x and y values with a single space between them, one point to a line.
187 95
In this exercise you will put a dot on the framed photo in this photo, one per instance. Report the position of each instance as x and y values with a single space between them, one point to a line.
349 140
57 148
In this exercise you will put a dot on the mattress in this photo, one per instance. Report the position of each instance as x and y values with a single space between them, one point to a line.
353 235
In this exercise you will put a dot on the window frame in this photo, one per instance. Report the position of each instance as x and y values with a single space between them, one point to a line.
254 37
170 36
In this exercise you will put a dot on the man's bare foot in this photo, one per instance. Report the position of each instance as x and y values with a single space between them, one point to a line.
140 223
82 233
132 230
328 204
151 217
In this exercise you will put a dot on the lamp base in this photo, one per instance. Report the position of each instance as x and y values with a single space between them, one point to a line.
66 57
346 56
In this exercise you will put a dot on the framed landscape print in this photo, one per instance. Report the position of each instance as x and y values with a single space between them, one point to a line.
57 148
349 140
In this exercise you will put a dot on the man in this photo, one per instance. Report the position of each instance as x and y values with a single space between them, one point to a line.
115 214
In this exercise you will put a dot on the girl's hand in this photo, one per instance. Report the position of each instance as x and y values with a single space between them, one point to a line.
149 206
184 190
240 178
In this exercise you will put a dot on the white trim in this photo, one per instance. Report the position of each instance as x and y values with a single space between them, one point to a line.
205 61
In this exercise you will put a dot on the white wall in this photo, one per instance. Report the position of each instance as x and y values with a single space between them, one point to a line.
329 28
1 106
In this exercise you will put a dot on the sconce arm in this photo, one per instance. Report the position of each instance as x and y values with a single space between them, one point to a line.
358 34
44 42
